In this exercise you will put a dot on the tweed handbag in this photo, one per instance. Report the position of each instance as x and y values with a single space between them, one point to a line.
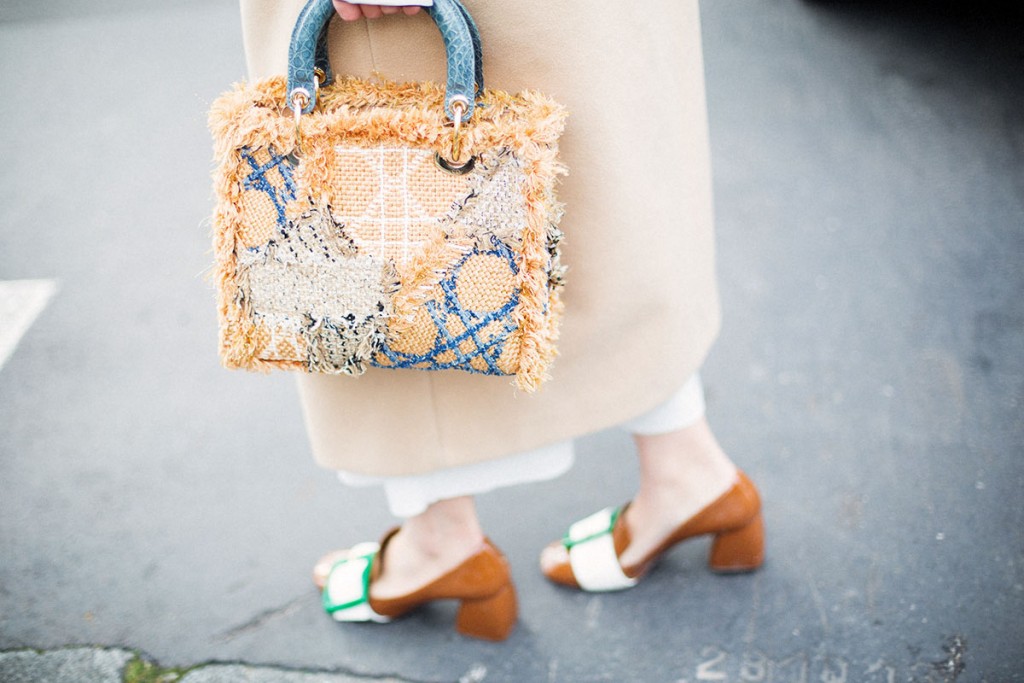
366 223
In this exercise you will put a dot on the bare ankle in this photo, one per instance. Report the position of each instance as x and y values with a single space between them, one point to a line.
447 528
683 471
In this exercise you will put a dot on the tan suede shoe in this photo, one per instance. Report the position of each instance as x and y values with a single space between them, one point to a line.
595 544
482 584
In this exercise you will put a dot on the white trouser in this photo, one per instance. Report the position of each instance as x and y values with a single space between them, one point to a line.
409 496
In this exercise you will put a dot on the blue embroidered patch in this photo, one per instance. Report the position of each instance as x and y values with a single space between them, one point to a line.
258 180
488 349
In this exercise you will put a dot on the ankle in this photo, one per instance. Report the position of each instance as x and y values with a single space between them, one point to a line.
699 487
446 529
682 472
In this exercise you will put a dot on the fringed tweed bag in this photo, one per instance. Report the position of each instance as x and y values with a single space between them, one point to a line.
389 225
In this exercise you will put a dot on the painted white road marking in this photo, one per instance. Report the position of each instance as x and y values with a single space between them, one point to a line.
20 302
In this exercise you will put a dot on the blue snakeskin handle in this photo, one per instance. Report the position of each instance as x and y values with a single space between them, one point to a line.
450 17
308 30
461 45
323 60
478 50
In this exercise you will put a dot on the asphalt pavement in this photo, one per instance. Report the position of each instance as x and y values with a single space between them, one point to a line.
160 514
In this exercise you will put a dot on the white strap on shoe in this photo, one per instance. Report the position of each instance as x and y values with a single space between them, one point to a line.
592 553
347 591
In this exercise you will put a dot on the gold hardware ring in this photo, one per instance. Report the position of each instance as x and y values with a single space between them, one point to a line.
459 107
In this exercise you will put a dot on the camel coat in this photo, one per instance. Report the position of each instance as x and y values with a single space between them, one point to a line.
641 306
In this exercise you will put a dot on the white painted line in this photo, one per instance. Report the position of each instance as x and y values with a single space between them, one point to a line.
20 302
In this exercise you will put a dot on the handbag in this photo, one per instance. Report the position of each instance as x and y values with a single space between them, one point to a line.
367 223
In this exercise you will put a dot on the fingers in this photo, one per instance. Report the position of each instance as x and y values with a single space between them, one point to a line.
349 12
346 11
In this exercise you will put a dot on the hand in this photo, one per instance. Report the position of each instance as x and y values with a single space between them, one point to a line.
350 12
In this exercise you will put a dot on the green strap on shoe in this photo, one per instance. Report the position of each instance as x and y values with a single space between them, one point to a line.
346 595
595 566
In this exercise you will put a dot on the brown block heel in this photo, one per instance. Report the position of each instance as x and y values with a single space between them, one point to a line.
482 584
491 618
739 550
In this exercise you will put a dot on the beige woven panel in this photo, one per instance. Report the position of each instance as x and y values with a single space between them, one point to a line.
391 199
485 284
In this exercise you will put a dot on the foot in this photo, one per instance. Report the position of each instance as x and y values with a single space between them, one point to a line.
651 519
604 557
408 565
426 547
411 564
647 521
482 583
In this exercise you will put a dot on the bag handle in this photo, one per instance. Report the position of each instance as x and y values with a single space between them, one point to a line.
323 60
307 53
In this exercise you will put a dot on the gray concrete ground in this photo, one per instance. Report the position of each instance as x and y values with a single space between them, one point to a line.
870 377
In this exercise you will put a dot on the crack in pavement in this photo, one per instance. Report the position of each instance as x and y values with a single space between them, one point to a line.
261 619
114 665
